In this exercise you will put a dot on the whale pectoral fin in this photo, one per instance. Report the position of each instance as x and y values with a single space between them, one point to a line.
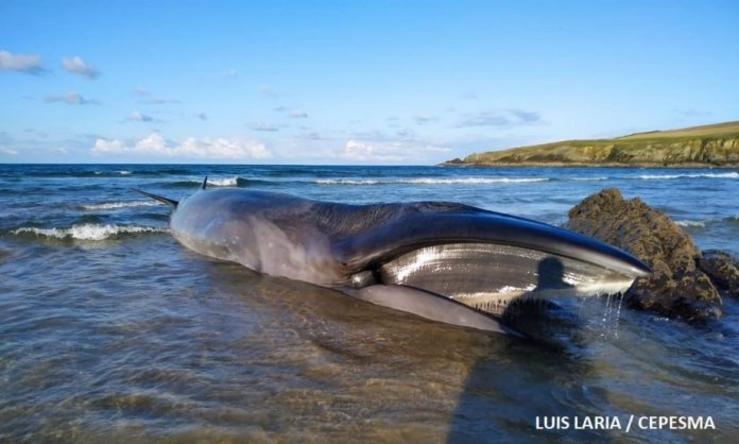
429 306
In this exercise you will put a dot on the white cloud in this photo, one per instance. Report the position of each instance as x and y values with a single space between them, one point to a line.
264 127
154 145
148 98
140 117
405 133
298 115
469 95
312 135
71 98
690 112
8 151
423 119
267 91
365 151
106 146
503 119
360 151
76 65
27 63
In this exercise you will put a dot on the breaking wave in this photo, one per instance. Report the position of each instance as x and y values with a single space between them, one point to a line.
224 181
590 179
702 223
727 175
83 173
431 181
691 223
234 181
119 205
87 232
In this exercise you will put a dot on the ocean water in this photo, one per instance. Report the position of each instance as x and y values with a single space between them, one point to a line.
110 330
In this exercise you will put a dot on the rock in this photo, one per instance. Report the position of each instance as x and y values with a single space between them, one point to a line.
678 287
723 269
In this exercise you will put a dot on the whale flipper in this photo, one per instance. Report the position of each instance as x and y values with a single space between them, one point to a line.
429 306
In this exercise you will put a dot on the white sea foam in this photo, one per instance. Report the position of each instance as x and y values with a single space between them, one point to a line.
348 181
223 181
590 179
87 232
432 180
121 172
726 175
691 223
119 205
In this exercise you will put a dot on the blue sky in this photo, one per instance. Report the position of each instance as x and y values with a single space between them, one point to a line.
352 82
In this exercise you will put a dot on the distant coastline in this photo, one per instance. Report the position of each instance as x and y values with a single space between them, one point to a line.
706 146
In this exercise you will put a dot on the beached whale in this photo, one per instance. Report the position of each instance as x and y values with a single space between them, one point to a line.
443 261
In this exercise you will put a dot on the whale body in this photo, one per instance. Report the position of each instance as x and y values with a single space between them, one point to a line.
443 261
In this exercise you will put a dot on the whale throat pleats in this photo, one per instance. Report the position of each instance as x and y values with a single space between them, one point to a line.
489 277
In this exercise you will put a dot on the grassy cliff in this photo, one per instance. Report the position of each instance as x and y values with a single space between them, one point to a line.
707 145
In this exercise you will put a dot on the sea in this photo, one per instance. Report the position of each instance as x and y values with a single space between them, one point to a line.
112 331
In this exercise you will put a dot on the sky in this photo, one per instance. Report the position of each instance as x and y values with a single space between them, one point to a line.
352 82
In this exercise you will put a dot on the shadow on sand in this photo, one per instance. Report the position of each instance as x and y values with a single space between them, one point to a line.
539 376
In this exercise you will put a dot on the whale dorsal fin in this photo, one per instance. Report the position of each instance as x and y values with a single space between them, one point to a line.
163 199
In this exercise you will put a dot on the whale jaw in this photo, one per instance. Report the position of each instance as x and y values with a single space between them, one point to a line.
490 277
484 260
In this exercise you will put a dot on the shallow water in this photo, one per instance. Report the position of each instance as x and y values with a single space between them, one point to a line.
111 330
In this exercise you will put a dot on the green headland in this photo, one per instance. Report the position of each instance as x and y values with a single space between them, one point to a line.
715 145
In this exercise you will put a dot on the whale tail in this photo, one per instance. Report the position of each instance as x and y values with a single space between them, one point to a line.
162 199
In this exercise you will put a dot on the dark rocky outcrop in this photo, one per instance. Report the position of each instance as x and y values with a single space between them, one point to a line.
678 287
723 269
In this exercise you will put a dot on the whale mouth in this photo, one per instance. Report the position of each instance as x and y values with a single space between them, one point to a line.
486 260
491 277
